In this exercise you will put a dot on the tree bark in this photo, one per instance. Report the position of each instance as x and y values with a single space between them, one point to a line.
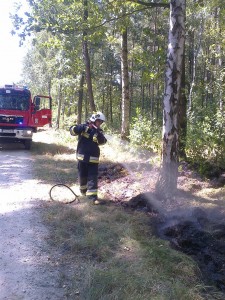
59 106
167 182
87 60
183 116
194 64
50 92
125 88
80 98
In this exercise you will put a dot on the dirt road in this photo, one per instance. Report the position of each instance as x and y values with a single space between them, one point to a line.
26 271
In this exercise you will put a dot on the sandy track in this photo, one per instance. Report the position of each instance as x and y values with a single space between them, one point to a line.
26 271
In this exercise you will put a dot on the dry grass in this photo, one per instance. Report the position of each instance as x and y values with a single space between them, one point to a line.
107 252
118 254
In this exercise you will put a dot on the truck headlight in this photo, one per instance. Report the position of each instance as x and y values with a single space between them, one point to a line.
27 133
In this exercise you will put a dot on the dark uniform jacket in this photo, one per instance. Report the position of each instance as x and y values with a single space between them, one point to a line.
89 140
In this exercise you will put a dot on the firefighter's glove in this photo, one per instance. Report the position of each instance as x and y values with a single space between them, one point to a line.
99 130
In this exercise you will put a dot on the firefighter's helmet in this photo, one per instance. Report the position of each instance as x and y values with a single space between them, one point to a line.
97 116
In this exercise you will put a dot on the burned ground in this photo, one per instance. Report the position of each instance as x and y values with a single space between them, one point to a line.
193 221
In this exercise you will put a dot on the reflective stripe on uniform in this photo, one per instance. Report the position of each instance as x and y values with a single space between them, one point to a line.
92 192
94 159
85 134
80 156
95 138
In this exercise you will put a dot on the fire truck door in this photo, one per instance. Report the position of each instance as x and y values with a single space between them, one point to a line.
42 113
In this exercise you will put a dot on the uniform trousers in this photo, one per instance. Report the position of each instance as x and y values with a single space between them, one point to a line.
88 179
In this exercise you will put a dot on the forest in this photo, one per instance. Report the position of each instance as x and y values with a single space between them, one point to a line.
113 56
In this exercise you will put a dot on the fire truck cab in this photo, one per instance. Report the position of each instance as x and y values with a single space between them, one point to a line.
20 115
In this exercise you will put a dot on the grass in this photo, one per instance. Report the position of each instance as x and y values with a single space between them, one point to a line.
121 257
107 252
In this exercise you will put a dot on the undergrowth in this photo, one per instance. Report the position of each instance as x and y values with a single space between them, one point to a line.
204 143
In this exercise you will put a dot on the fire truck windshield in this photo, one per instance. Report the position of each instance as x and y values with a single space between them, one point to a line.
14 101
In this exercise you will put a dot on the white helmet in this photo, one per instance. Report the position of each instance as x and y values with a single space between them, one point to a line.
97 116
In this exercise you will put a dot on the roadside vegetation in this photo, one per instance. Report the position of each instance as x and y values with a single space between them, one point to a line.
108 251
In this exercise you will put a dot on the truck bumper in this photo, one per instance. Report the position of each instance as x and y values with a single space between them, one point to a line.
15 134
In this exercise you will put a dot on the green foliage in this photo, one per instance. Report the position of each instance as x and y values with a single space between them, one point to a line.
206 141
144 133
55 61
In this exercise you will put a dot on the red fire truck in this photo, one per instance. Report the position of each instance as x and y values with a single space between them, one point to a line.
20 116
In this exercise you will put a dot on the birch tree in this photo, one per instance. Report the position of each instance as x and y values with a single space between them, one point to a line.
167 183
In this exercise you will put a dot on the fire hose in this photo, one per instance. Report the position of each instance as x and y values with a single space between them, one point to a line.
63 193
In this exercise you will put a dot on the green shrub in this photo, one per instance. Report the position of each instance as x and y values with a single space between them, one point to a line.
205 142
145 134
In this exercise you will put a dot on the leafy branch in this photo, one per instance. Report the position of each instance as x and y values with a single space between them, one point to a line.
150 4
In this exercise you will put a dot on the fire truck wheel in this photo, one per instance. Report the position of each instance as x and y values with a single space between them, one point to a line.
27 144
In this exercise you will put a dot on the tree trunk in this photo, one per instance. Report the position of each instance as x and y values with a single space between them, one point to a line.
59 106
167 182
220 75
110 96
194 66
49 93
87 61
183 116
80 98
125 128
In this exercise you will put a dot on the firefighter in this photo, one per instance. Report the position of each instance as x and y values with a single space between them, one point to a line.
90 136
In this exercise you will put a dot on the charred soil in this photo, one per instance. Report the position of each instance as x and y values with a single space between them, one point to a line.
193 221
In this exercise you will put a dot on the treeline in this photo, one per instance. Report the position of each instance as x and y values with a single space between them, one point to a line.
110 56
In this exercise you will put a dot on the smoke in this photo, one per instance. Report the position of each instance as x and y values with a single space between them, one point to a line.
143 167
133 158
